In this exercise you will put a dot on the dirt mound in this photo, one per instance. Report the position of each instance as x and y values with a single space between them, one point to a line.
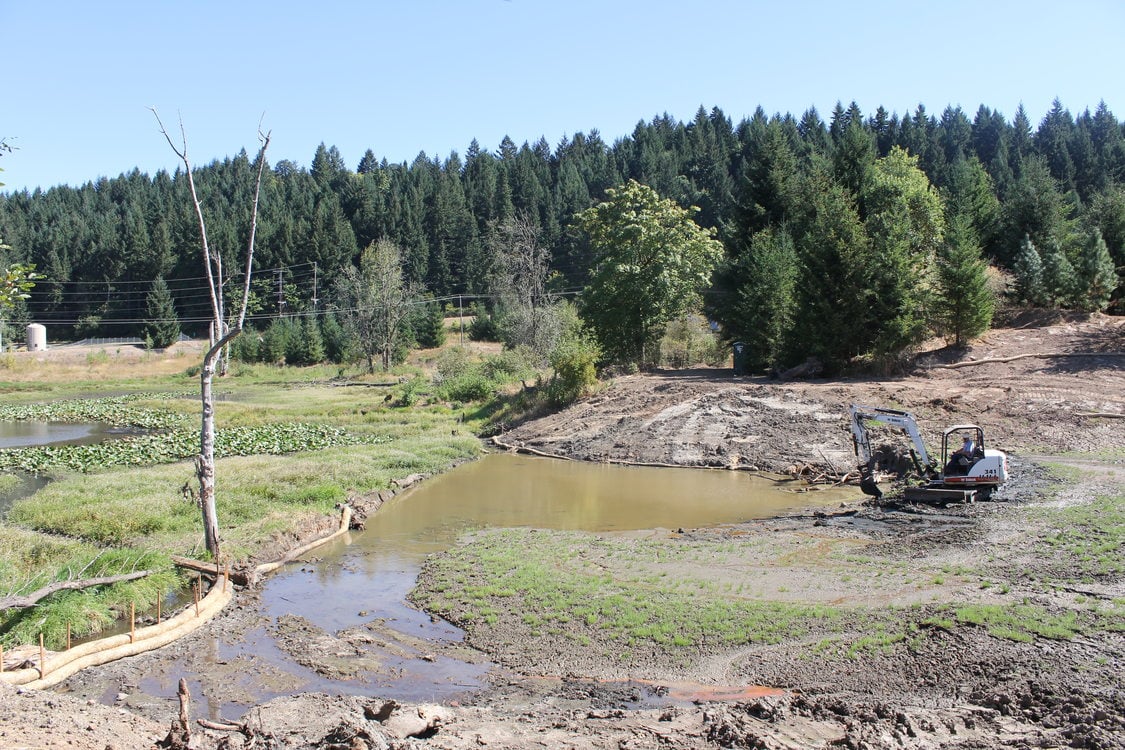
1072 400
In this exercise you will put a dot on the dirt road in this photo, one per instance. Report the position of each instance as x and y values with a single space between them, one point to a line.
951 683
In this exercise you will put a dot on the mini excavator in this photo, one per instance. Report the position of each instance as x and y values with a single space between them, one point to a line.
964 475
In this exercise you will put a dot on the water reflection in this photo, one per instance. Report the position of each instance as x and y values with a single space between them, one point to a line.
25 434
369 576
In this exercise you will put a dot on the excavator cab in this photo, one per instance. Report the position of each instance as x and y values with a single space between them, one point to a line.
962 446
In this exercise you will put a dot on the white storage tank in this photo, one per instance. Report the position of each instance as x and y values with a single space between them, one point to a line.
36 338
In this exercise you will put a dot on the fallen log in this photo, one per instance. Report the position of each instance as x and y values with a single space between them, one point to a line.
28 600
345 524
1014 357
240 579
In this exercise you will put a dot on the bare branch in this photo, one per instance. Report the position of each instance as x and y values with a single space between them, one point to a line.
265 139
208 257
164 132
13 602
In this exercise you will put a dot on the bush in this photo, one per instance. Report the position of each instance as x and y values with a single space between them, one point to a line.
472 385
483 327
688 341
575 374
508 366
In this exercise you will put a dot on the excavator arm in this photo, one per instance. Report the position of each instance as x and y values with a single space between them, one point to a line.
904 421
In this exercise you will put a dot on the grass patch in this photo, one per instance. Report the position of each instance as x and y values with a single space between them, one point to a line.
29 561
289 448
1089 537
606 587
1020 622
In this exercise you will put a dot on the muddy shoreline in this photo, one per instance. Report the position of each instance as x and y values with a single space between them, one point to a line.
951 686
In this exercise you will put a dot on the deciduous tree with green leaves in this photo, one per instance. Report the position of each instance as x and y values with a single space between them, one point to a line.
652 263
374 302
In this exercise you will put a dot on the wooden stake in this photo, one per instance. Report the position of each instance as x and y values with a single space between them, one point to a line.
42 658
68 636
1 658
227 579
185 707
132 621
195 590
159 599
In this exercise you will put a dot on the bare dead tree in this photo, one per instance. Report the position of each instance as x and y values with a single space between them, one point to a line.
221 331
521 267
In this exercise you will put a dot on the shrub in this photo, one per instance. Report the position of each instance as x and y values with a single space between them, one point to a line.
483 327
688 340
573 362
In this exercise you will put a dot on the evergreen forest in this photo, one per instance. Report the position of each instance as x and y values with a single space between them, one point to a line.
846 239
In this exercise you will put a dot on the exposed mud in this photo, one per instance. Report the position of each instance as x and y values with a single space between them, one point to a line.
956 687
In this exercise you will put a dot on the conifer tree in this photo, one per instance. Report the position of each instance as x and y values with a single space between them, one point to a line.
1095 276
965 304
758 307
305 345
161 327
1028 269
1059 279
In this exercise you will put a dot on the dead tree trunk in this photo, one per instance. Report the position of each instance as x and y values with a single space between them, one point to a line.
221 332
205 461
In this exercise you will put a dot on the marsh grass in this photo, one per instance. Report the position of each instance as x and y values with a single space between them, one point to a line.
305 446
1090 536
29 561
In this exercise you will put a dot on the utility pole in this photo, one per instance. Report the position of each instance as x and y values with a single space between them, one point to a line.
461 319
280 294
314 297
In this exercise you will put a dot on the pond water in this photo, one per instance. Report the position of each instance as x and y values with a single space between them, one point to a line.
25 434
368 576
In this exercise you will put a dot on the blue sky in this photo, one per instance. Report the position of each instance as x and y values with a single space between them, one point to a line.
430 75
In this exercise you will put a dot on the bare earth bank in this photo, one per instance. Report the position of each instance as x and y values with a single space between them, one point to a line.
955 687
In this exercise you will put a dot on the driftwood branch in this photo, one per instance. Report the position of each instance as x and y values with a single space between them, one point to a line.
1013 358
209 569
222 726
14 602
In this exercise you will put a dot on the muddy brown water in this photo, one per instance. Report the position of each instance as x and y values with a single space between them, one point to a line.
360 585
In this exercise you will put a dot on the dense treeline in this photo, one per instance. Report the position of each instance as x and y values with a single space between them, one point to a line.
829 225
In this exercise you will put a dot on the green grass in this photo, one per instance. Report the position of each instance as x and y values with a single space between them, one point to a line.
1021 622
1090 537
30 561
552 577
290 449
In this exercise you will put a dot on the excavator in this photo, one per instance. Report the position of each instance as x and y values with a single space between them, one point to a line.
964 475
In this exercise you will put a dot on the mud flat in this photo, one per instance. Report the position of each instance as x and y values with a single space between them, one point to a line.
991 625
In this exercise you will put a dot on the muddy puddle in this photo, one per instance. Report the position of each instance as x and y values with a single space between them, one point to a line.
339 622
